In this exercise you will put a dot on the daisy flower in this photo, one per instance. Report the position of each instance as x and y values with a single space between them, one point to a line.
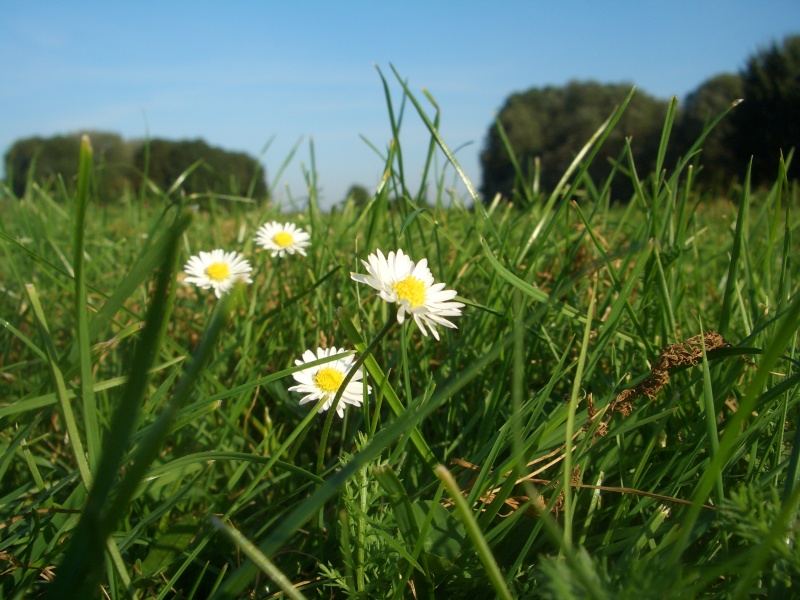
324 381
399 279
218 270
282 239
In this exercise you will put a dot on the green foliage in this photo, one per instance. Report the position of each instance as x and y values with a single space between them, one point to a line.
552 124
719 157
221 171
47 159
358 194
768 122
748 513
538 132
120 166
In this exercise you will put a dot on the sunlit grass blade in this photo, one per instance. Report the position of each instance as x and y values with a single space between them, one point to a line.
262 562
669 120
90 421
583 159
395 124
536 293
481 547
380 379
30 404
736 250
567 472
710 412
183 176
521 180
362 356
61 389
439 140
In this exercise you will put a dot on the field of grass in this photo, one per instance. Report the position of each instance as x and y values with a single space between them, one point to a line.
150 448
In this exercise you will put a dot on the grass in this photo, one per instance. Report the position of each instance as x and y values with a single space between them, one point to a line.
149 447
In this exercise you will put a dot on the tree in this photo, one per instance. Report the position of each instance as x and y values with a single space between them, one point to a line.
768 121
221 171
45 159
553 123
710 99
358 194
120 165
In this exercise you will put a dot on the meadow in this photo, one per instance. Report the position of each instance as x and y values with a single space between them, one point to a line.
616 414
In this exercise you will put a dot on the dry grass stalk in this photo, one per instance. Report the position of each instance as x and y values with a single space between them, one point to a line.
683 354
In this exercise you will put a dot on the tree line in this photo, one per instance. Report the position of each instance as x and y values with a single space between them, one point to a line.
541 130
123 166
544 128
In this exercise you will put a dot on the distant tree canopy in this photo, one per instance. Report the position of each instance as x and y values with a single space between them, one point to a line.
120 165
553 123
719 158
358 194
768 121
221 172
44 159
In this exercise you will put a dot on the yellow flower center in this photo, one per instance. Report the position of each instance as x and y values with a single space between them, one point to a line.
283 239
218 271
410 289
328 379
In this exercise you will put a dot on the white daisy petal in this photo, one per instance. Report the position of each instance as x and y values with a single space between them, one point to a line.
322 382
411 286
308 398
283 238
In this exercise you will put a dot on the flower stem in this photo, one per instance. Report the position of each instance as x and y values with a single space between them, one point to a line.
350 374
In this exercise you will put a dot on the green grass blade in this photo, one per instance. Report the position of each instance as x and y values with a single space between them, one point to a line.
761 554
527 192
566 482
24 339
710 413
395 124
136 276
362 356
61 389
439 140
474 532
262 562
29 404
669 120
733 265
380 379
583 159
78 573
784 333
234 585
81 309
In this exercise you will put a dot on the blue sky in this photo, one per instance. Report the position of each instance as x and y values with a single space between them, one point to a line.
240 73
